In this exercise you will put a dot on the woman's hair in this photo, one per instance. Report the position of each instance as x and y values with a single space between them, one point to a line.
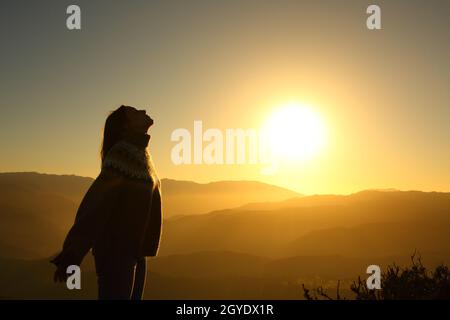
114 129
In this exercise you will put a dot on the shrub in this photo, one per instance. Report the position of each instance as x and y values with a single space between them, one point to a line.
414 282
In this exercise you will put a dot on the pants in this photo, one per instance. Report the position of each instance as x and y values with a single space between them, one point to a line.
120 278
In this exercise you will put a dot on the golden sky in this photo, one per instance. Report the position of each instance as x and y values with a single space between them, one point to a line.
382 95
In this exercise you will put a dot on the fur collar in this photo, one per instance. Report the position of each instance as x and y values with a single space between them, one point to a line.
130 160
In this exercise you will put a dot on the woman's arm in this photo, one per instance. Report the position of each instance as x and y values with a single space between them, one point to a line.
92 214
154 226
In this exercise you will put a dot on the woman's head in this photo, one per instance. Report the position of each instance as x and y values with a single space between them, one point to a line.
121 123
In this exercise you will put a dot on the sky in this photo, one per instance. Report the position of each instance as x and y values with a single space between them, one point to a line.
382 95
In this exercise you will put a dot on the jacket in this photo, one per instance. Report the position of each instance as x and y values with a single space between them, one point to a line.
121 212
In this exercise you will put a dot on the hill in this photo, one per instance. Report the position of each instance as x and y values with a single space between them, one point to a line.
37 210
416 219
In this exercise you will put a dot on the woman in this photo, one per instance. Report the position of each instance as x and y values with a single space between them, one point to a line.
120 216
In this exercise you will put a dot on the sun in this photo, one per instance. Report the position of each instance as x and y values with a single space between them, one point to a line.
294 132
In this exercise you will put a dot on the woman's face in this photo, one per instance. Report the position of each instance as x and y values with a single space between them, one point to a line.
138 120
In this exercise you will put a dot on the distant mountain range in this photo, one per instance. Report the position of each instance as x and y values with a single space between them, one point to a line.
188 198
256 242
369 223
179 197
36 210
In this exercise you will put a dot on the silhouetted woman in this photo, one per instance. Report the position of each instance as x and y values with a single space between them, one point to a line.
120 216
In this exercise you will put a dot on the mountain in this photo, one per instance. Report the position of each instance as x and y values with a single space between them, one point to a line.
37 210
70 187
430 238
262 250
353 220
187 197
385 197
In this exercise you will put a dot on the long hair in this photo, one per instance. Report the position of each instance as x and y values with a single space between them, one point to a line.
114 130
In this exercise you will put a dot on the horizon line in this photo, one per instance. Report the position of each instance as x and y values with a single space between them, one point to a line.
386 190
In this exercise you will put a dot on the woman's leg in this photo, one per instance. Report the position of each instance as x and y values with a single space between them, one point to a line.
139 279
115 277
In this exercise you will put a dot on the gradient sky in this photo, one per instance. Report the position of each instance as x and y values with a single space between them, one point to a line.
384 95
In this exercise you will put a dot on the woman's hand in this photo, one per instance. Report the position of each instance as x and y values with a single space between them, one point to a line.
61 269
60 274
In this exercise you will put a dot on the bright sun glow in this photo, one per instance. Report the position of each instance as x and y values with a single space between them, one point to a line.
295 132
